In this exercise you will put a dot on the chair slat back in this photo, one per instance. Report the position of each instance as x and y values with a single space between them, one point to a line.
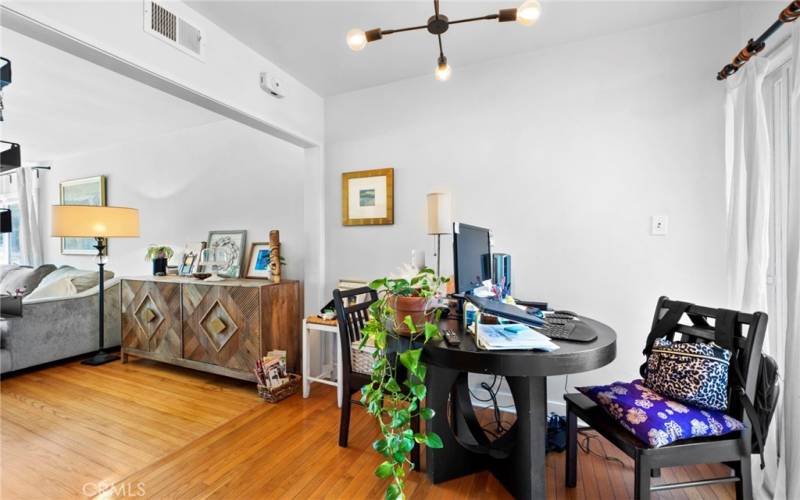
748 341
352 314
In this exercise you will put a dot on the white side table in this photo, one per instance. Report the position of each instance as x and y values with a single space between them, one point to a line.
331 327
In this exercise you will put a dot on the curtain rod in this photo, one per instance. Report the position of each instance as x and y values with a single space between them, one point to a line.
753 47
34 167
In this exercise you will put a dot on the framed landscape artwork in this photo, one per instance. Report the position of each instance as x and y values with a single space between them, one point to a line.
234 242
368 197
88 191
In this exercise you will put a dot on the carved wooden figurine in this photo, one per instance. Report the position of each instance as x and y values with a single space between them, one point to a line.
275 255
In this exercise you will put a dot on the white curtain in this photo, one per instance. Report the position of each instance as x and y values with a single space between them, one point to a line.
30 236
749 192
789 479
747 187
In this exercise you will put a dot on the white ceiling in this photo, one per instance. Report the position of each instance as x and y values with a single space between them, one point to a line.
307 39
59 105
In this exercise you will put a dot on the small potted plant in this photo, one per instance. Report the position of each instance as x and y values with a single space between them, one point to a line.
401 322
159 255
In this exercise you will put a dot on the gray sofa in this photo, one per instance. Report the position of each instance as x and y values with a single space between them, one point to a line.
52 329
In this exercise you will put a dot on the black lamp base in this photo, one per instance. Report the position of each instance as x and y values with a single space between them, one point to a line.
100 358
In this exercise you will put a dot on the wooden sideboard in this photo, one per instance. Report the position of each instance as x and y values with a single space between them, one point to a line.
219 327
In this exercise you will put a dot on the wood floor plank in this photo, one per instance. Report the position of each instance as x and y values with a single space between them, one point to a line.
177 433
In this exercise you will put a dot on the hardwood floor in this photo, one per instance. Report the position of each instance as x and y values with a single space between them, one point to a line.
157 431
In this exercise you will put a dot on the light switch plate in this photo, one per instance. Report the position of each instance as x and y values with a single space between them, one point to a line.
659 225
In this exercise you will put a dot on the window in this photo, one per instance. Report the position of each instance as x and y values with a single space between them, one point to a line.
9 243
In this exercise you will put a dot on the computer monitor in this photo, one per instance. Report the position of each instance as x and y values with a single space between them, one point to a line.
472 256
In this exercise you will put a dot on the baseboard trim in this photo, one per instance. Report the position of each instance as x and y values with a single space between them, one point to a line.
111 349
504 400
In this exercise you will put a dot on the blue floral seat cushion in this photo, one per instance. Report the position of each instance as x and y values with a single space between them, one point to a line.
655 419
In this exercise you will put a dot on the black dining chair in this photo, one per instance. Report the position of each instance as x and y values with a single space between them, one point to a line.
734 449
352 313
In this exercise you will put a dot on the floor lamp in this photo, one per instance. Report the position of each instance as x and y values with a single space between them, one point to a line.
100 223
439 222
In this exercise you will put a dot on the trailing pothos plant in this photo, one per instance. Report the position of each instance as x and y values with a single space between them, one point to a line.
398 338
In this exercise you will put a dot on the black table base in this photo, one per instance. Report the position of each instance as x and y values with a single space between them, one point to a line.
517 458
514 458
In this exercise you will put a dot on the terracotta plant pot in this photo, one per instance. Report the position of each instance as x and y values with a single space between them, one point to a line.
409 306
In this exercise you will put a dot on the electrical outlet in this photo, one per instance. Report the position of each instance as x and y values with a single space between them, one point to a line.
659 225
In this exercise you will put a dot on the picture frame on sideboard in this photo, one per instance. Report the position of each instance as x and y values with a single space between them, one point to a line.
234 241
258 261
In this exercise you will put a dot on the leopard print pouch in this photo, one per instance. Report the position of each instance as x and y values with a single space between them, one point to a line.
689 372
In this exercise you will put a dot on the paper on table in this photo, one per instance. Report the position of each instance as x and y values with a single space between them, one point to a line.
501 337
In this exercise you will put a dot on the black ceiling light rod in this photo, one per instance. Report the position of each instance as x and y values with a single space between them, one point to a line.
527 14
753 47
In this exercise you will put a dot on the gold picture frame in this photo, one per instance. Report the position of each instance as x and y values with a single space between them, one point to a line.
368 197
86 191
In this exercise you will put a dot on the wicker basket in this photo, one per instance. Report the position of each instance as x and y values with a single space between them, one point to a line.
361 359
275 394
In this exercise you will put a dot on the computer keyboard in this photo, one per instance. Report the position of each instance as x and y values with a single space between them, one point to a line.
558 329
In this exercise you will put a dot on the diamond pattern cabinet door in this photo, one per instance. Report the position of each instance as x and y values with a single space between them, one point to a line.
151 317
132 335
221 325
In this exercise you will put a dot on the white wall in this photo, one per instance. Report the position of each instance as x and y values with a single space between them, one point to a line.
229 72
221 175
565 153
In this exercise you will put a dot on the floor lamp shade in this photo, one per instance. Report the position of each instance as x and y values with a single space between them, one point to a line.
439 213
94 222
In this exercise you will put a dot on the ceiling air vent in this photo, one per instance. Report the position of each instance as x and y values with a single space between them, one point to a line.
168 27
189 37
163 22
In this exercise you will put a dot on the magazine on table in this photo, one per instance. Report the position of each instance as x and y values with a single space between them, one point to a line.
507 336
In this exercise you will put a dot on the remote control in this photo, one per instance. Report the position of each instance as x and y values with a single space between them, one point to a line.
451 337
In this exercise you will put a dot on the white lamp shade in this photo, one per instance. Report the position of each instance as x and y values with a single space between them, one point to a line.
439 213
83 221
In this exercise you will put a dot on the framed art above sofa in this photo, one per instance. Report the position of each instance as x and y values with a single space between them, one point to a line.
87 191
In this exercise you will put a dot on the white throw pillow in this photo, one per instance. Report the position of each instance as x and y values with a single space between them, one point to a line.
7 268
57 289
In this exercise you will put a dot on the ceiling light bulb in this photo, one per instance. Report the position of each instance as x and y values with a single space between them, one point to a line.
443 70
528 13
356 39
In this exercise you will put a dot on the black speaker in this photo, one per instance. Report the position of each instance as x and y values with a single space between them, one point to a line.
5 220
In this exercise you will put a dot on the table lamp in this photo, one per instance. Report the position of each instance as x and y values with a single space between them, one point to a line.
5 220
100 223
439 221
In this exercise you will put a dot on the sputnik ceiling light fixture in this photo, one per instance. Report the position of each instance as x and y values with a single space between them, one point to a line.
527 14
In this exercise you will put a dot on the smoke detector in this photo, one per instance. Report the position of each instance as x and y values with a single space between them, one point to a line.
271 85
